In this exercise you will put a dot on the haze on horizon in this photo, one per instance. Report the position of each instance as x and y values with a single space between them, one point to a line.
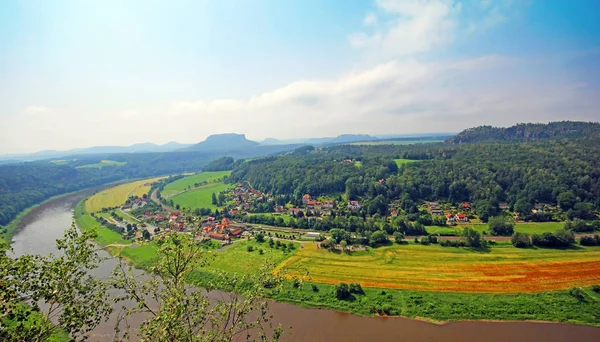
77 74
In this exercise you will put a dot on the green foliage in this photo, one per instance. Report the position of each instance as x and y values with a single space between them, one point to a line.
501 226
260 237
398 237
590 240
249 248
342 291
561 238
520 240
355 288
472 238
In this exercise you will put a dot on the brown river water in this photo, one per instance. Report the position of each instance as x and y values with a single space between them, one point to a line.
43 225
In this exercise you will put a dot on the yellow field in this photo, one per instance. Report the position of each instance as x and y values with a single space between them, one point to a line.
117 195
435 268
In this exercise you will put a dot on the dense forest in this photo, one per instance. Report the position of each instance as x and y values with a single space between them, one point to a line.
564 172
528 132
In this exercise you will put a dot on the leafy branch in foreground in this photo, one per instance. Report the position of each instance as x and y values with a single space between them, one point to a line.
59 291
177 311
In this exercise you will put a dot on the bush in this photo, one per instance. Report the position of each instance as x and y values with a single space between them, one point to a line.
501 226
433 239
521 240
590 240
416 239
249 248
577 293
472 238
453 243
596 288
355 288
425 240
561 238
398 237
342 291
260 237
314 288
261 252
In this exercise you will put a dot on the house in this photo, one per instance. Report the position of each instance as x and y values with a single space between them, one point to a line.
438 212
159 218
461 217
218 236
503 206
394 213
328 204
382 181
306 198
449 218
354 205
465 205
225 222
237 232
210 218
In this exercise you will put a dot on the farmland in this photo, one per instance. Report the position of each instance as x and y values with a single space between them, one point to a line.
529 228
200 197
436 268
102 164
183 184
117 195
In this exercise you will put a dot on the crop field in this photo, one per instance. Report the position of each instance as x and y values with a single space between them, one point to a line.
200 197
117 195
182 184
102 164
529 228
436 268
401 162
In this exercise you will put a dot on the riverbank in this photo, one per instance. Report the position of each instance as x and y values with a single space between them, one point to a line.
549 306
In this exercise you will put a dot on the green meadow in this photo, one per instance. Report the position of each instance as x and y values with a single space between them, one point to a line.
401 162
182 184
200 197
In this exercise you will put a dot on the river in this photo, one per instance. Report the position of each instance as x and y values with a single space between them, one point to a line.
46 223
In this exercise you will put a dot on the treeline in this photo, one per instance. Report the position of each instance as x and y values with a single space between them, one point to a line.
24 185
222 164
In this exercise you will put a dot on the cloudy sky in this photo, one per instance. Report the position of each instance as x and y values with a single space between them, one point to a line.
114 72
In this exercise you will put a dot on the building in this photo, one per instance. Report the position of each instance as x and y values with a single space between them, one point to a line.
450 218
237 232
503 206
394 213
306 198
354 205
313 235
461 217
218 236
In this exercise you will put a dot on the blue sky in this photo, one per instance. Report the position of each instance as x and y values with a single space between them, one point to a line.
83 73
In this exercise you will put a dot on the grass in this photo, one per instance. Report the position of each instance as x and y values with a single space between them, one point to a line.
401 162
557 306
286 217
85 221
502 268
101 164
117 195
200 197
529 228
182 184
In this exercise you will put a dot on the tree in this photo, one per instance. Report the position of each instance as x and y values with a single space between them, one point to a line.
214 199
74 300
499 225
520 240
181 312
146 234
342 291
566 200
472 238
379 237
398 237
343 244
260 237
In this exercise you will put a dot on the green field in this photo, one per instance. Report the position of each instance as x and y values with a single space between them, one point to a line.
200 197
401 162
529 228
85 221
101 164
182 184
286 218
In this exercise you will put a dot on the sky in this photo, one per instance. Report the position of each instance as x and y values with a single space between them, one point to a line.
114 72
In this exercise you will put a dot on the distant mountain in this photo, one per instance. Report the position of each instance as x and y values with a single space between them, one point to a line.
340 139
223 142
135 148
348 138
526 132
271 141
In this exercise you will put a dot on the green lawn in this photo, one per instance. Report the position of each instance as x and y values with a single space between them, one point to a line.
182 184
529 228
102 164
401 162
200 197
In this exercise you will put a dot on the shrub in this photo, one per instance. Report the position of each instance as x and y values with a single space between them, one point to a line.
260 237
425 240
520 240
416 239
561 238
355 288
590 240
577 293
433 239
398 237
501 226
314 288
342 291
261 252
249 248
472 238
596 288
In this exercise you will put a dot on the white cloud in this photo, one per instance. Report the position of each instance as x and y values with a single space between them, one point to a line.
370 19
37 109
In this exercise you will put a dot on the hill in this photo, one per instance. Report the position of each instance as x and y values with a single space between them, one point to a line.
528 132
220 142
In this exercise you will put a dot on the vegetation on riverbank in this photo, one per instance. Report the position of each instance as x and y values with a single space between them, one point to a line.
117 195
